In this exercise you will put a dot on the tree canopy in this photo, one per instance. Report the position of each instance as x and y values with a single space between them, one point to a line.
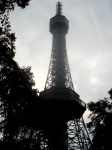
10 4
100 123
17 94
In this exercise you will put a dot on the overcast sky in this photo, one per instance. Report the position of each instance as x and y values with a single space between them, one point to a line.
89 43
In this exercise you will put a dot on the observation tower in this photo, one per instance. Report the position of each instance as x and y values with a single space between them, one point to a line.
62 122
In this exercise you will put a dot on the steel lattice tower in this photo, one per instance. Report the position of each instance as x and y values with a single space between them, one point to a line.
62 122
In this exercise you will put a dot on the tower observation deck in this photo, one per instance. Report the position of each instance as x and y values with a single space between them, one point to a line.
63 127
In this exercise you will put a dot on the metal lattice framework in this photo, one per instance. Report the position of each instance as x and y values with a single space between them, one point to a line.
78 137
76 134
60 93
59 72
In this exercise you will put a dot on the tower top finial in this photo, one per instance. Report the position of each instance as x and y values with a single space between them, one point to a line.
59 8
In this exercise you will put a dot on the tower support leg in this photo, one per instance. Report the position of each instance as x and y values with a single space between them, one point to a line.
73 137
78 137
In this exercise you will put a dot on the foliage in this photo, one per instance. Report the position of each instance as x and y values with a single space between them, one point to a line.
17 95
110 93
10 4
100 123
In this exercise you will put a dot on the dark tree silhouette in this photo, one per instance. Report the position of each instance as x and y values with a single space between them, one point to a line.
100 123
110 93
10 4
17 95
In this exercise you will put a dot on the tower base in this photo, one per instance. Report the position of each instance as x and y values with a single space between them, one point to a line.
72 136
61 120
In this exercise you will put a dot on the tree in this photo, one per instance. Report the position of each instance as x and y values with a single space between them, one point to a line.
17 95
100 123
110 93
10 4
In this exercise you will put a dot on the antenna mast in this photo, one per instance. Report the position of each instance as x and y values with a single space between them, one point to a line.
59 8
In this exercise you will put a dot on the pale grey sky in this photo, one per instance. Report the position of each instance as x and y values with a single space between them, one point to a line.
89 43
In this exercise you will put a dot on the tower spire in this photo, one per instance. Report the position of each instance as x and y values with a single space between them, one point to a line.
59 8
